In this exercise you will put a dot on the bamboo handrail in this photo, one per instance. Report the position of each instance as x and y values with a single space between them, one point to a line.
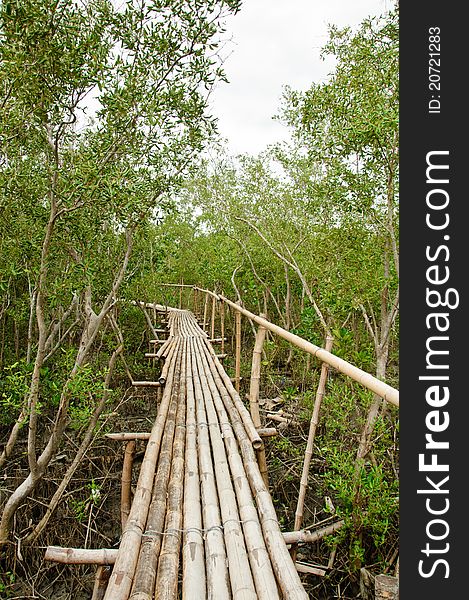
122 576
372 383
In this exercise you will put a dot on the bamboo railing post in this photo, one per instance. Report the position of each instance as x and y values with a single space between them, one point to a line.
222 326
310 444
254 395
180 293
126 482
212 328
238 347
205 311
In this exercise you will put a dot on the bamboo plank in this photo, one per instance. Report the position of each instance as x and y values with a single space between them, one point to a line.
121 578
264 579
194 577
145 575
168 563
242 583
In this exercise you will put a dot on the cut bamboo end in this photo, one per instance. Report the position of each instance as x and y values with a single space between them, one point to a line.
278 418
221 356
147 383
305 536
128 436
81 556
267 432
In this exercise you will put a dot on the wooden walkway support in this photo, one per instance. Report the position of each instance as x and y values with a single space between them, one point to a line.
202 524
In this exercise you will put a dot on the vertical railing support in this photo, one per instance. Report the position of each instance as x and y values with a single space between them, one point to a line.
205 311
238 348
310 444
222 326
126 481
254 388
212 327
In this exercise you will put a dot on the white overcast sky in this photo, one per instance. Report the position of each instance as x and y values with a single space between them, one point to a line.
276 43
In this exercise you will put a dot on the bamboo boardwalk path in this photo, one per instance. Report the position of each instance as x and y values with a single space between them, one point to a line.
202 523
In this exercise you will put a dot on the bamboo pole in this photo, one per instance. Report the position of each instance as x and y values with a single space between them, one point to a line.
282 564
194 578
267 432
127 436
212 326
146 383
215 553
372 383
242 410
304 536
205 311
145 574
309 569
222 327
209 292
81 556
254 395
256 375
310 444
167 574
264 579
121 578
242 583
238 348
126 481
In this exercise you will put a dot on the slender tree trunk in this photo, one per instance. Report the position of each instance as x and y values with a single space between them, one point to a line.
39 465
80 453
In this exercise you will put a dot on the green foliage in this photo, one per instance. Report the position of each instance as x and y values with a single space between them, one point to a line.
82 507
14 386
85 390
7 580
367 498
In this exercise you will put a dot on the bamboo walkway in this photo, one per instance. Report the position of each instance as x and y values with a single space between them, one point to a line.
202 523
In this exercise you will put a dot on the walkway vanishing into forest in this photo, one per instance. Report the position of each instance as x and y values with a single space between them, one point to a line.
201 523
